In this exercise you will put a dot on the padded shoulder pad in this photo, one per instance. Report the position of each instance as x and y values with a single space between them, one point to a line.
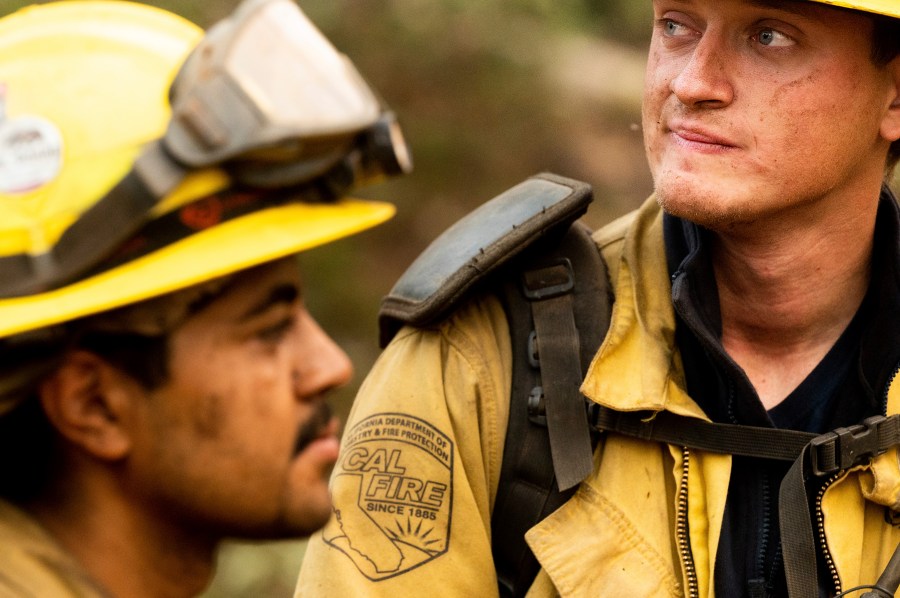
472 248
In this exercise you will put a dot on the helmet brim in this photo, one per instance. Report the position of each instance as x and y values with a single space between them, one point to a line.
223 249
889 8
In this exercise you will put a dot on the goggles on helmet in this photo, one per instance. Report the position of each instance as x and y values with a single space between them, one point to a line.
265 96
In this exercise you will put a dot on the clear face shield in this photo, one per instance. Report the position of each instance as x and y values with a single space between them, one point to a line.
265 97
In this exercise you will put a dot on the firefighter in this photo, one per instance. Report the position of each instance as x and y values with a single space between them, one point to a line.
162 385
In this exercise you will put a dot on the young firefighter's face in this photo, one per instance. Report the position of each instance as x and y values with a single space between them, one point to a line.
238 441
758 108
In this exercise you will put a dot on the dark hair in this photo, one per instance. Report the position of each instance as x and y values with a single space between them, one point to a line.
885 48
27 439
144 358
27 452
886 39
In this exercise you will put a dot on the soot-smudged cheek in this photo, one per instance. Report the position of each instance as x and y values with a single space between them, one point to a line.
209 418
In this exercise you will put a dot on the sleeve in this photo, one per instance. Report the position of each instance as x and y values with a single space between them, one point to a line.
419 467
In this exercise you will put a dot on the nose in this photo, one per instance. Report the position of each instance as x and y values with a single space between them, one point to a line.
321 364
704 79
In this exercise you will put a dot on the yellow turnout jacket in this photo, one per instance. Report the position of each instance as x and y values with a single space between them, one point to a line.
422 450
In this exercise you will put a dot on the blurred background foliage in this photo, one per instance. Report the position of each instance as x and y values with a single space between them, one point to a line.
488 93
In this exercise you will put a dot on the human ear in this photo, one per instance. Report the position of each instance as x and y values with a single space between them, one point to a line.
87 401
890 125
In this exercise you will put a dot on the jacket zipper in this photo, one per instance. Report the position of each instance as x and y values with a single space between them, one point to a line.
884 397
820 516
682 528
766 524
820 521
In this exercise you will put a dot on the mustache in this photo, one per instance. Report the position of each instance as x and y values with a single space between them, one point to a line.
313 427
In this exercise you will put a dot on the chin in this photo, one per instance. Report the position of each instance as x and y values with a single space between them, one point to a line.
704 204
295 526
299 517
307 516
316 522
292 530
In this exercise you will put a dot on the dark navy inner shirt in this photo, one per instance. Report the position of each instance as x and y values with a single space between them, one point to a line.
842 390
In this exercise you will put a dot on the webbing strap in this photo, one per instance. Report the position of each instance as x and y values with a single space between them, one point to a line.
797 541
549 290
89 239
746 441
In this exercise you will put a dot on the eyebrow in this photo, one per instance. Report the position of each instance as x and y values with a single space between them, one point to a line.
283 294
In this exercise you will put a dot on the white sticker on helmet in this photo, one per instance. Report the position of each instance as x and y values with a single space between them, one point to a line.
30 153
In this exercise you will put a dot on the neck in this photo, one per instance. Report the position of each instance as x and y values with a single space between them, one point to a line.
125 549
788 290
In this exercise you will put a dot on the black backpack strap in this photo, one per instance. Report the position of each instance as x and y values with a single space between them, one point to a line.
733 439
558 303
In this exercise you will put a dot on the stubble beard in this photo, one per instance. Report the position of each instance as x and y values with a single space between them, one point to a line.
705 207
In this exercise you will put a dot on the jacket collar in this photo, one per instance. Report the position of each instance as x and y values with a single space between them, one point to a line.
638 366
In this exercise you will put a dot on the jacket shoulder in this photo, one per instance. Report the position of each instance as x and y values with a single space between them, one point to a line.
471 250
33 564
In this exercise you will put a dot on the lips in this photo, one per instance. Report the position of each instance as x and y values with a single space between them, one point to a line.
698 136
321 424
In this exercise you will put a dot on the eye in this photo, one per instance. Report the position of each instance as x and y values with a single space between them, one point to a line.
277 332
672 28
772 38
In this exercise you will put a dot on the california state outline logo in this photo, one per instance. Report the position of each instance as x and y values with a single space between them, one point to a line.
392 495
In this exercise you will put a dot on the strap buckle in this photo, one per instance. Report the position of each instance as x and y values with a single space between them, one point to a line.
552 280
845 447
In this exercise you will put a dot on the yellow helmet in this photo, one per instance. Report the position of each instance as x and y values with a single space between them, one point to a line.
84 88
890 8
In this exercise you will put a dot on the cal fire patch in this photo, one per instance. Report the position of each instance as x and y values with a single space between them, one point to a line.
392 495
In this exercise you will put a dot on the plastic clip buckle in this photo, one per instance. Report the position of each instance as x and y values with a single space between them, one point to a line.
845 447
